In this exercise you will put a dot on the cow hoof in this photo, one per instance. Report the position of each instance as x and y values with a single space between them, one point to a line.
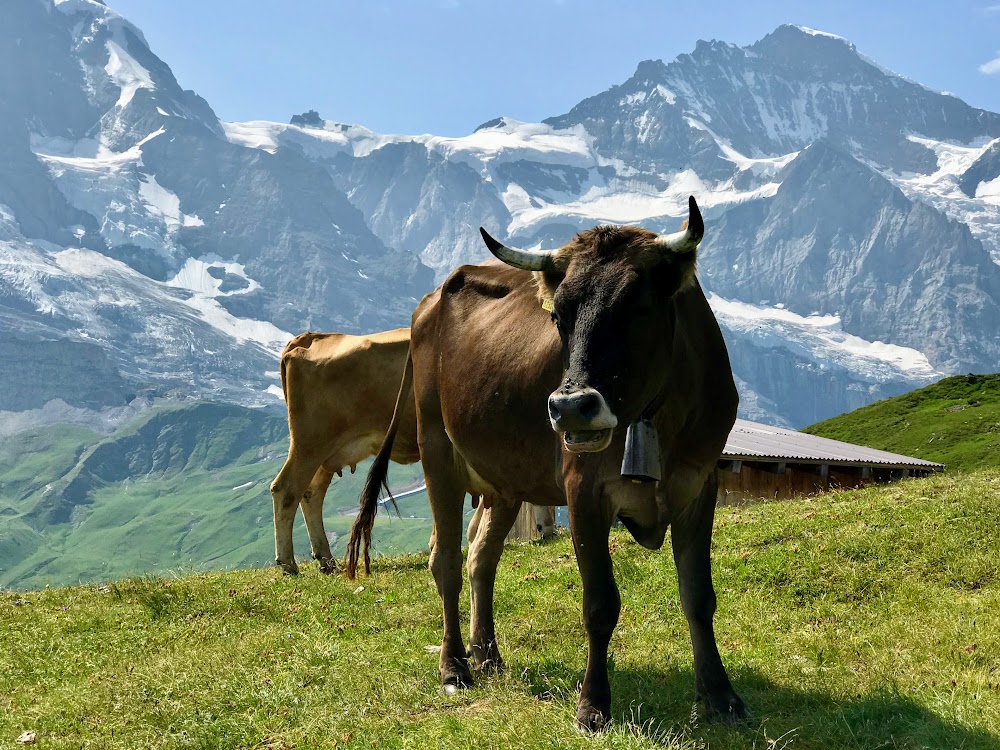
490 666
288 568
487 658
455 685
727 708
328 566
458 677
590 719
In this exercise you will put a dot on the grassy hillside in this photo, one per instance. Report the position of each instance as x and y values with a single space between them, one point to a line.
186 487
862 619
183 487
954 421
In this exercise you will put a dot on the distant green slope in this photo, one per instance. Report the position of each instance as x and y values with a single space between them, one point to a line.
186 487
182 487
955 421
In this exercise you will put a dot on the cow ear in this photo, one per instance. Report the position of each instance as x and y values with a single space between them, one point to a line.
547 284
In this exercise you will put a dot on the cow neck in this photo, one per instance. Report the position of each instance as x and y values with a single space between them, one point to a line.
654 406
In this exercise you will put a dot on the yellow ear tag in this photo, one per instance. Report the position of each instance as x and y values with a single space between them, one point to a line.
547 304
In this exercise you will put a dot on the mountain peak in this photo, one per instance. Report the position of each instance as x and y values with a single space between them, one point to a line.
503 122
310 119
69 6
813 33
496 122
790 40
101 13
823 151
650 70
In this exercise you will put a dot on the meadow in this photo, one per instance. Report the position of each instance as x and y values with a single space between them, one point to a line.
179 488
955 421
859 619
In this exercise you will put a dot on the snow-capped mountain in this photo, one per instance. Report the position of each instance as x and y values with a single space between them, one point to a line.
132 226
851 213
843 201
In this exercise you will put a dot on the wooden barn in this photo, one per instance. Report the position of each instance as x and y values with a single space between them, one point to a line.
762 462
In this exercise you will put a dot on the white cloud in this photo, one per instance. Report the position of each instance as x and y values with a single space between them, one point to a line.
993 66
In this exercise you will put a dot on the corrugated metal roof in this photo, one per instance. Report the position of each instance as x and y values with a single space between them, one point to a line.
750 440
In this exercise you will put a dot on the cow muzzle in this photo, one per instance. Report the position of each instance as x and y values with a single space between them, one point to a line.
583 418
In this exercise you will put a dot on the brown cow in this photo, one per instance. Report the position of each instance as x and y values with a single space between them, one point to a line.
340 391
517 400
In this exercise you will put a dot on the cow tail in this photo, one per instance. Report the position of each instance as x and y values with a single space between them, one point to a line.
376 483
284 375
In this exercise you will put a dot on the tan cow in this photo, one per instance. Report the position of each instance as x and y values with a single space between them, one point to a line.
340 391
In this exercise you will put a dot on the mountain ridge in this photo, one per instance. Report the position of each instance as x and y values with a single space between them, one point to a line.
189 249
635 151
109 155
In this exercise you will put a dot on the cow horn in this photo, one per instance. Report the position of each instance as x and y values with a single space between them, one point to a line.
526 260
686 240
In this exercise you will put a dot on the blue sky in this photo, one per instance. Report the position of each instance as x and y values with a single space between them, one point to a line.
446 66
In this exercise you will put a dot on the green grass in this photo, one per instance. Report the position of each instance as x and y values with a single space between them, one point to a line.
955 421
186 487
32 455
181 487
863 619
201 520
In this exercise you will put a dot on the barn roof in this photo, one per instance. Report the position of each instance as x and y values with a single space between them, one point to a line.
754 441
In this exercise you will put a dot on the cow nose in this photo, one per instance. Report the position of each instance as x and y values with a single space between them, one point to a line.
575 409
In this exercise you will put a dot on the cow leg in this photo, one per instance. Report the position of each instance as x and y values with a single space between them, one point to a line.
286 491
485 548
590 523
545 520
312 511
691 537
447 499
477 518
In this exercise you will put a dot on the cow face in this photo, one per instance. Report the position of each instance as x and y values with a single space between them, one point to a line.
610 290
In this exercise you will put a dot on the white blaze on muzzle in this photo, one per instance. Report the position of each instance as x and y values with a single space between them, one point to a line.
583 418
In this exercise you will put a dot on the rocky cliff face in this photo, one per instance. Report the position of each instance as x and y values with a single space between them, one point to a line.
408 194
837 237
781 387
833 189
35 371
129 220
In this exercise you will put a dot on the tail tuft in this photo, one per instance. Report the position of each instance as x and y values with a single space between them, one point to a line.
376 482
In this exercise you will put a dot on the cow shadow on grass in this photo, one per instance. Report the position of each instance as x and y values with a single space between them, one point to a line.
659 705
